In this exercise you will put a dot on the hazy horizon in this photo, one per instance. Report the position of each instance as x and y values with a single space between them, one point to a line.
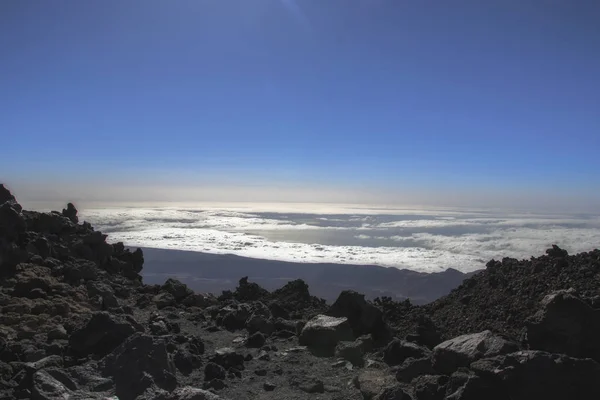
465 104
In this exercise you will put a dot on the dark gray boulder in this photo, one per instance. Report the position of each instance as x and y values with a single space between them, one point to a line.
565 324
139 363
177 289
101 334
461 351
535 374
364 317
399 350
323 332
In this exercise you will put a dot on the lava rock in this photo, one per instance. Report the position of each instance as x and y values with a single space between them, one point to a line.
163 300
351 351
213 371
177 289
71 213
228 358
372 382
535 374
101 334
463 350
324 332
364 317
399 350
413 367
565 324
256 340
139 363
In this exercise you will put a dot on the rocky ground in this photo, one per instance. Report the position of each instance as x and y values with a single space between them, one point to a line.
77 322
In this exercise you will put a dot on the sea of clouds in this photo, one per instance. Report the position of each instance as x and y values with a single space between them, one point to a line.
426 240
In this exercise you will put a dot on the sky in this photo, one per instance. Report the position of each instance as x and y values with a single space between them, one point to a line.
443 103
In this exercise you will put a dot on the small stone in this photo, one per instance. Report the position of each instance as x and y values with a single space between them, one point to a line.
269 386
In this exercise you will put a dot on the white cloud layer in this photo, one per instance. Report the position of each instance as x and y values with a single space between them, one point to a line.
422 240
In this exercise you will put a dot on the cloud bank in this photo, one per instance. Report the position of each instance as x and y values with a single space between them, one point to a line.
426 240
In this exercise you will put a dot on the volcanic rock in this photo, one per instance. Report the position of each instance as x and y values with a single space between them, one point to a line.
463 350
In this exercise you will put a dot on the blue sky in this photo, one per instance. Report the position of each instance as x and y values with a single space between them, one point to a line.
427 97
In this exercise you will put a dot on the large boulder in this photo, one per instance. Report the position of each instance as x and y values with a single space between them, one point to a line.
177 289
461 351
565 324
399 350
532 374
234 316
46 387
371 382
228 357
139 363
101 334
323 332
249 291
364 317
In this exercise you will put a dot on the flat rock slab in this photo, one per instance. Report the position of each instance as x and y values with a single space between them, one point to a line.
325 332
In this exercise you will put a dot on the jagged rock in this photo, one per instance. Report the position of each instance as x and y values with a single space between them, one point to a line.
475 388
430 387
163 300
463 350
187 393
213 371
197 300
185 361
256 340
82 270
372 382
6 195
45 387
565 324
351 351
393 393
310 384
49 223
101 334
364 317
324 332
102 295
399 350
269 386
159 328
260 323
539 375
295 295
216 384
556 251
233 317
228 358
139 363
177 289
12 222
413 367
71 213
249 291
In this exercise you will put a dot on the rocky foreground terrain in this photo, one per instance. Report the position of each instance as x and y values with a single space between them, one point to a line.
77 322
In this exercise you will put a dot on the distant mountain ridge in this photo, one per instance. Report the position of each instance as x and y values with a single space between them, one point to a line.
213 273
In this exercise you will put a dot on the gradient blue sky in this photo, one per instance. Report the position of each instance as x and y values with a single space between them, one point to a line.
429 99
